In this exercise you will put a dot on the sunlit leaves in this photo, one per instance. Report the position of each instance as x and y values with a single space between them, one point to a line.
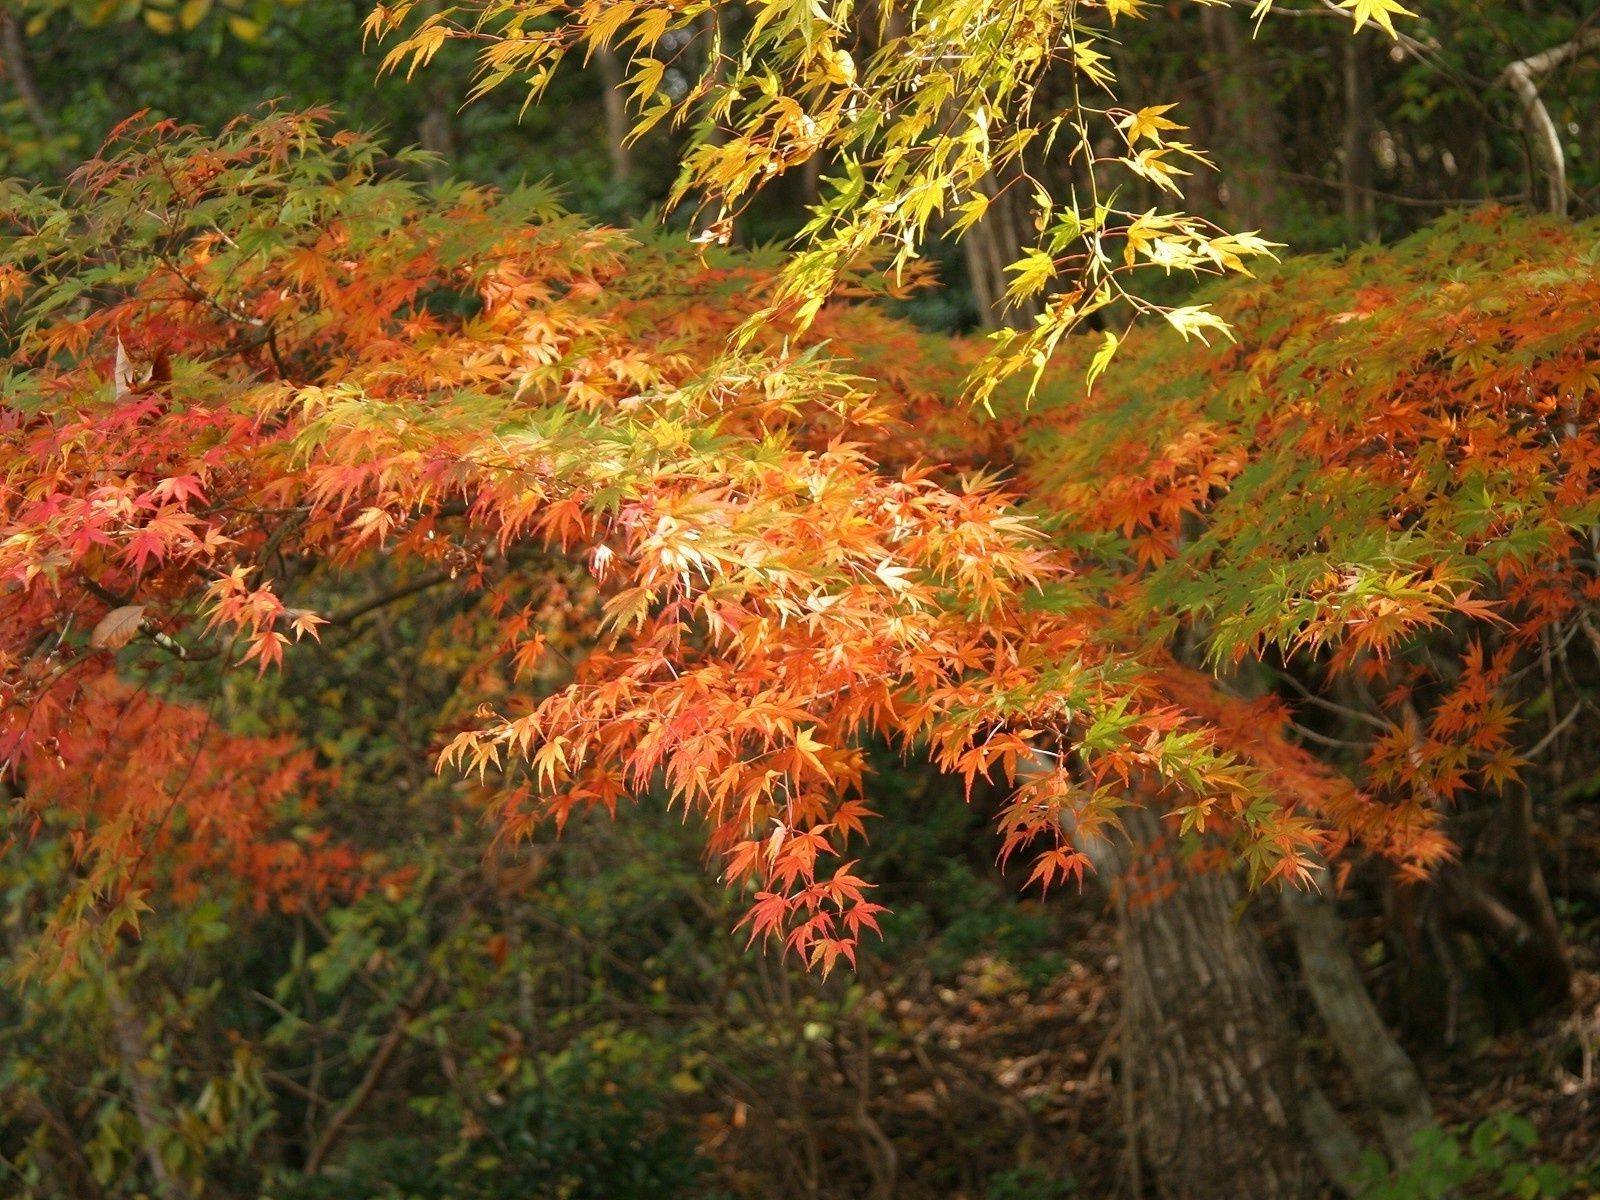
719 588
915 115
1391 469
1381 12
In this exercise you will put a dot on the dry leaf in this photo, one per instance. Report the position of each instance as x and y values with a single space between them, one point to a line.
117 627
124 379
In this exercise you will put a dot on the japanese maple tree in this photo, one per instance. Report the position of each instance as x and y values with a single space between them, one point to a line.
255 362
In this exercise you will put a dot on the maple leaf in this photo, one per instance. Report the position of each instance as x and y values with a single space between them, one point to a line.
1381 12
1148 123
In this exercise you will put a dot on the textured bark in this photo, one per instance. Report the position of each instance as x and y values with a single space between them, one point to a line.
1210 1059
1338 1150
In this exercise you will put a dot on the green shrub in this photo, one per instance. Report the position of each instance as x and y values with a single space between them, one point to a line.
1494 1160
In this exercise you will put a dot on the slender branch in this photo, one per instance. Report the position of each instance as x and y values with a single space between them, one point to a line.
17 69
1556 731
1322 739
147 627
104 594
1544 140
1353 714
334 1132
293 525
360 609
1397 197
75 1169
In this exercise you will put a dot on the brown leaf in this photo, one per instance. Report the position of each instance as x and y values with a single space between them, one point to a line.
124 378
117 627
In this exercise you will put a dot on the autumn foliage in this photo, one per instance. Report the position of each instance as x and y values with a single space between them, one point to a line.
1379 499
253 365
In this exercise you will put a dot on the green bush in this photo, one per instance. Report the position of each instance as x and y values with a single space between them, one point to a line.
1493 1160
585 1131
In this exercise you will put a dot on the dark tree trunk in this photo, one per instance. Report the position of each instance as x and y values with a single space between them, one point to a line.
1549 962
1209 1043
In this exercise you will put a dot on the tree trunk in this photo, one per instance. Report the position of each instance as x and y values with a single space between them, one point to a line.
149 1109
436 132
1383 1073
1549 962
1360 212
992 245
616 110
1210 1048
18 72
1245 134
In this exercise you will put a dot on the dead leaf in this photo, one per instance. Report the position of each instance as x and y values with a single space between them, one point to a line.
124 378
117 627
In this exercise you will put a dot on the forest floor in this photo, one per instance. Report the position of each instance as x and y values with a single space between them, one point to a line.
985 1088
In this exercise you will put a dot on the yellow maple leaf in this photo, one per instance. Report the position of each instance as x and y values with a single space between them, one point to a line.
1380 12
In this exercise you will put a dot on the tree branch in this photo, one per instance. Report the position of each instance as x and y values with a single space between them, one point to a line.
14 61
361 608
334 1132
1544 140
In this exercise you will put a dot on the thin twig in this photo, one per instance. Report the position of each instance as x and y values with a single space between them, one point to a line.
1322 702
360 609
1556 731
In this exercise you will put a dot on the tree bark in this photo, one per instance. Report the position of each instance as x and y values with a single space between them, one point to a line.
616 110
1210 1062
1384 1075
1360 213
1245 134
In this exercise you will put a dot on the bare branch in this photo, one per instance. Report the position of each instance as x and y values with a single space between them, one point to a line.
381 1058
1544 140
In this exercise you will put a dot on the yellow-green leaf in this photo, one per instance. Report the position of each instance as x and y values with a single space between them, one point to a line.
1380 12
